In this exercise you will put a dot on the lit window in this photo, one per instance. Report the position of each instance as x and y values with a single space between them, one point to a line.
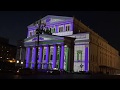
7 58
0 57
7 51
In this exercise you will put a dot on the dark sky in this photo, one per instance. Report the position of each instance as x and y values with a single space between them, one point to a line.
13 24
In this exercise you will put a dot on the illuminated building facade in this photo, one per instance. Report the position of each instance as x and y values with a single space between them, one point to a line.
72 47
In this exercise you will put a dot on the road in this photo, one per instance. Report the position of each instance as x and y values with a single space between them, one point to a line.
67 76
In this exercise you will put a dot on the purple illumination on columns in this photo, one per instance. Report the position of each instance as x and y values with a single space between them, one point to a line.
33 57
27 57
47 57
62 57
86 58
54 56
40 57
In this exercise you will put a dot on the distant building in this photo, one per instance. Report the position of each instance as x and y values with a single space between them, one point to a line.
72 46
7 51
20 55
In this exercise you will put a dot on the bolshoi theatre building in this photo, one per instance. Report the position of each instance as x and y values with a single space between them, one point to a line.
71 46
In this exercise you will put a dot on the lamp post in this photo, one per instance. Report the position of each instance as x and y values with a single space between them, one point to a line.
39 31
37 48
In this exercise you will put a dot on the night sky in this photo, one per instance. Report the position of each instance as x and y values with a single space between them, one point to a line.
13 24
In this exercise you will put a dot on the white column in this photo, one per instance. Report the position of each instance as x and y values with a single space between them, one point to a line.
27 57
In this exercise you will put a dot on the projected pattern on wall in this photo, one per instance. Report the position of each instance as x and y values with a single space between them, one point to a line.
81 58
48 59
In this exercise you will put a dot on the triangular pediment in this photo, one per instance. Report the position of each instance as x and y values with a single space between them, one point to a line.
43 37
52 19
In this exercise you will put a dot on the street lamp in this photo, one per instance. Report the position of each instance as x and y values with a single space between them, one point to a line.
39 31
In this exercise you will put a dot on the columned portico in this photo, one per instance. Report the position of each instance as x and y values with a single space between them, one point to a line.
54 57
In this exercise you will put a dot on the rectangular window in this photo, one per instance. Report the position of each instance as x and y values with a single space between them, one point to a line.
60 29
67 27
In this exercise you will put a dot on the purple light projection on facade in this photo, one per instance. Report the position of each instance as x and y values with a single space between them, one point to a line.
62 57
47 56
71 27
48 20
33 57
57 24
40 57
54 56
35 39
86 58
27 57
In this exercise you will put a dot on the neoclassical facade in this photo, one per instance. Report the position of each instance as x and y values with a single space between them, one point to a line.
62 50
72 46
